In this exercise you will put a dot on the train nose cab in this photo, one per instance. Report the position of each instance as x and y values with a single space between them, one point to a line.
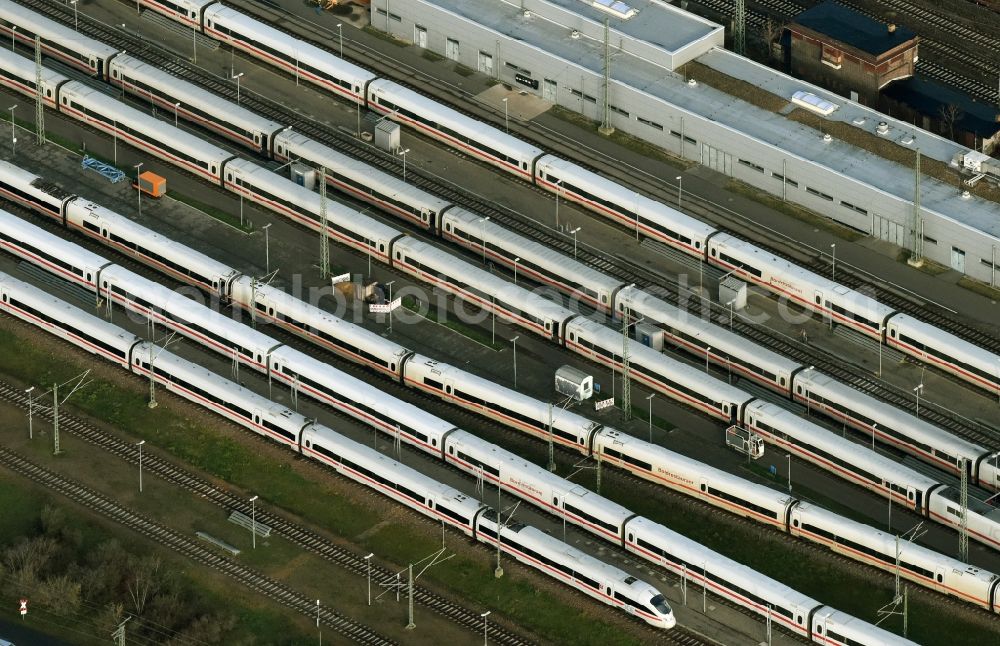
663 611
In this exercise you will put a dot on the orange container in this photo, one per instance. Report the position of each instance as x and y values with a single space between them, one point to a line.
152 184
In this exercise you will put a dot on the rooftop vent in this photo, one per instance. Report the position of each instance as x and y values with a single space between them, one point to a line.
892 28
526 13
966 195
616 8
827 138
575 34
882 128
692 83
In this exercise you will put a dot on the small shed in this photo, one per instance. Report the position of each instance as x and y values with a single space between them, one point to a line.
574 383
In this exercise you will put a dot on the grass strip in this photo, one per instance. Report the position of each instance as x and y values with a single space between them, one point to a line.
433 314
212 211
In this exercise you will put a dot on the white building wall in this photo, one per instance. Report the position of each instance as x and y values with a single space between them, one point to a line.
714 145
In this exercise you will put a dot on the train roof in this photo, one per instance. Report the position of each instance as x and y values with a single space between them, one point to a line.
448 118
677 370
336 212
257 31
813 281
26 232
357 390
117 111
857 630
24 68
976 505
306 148
177 253
859 456
626 198
485 282
53 31
956 347
28 181
715 336
890 416
191 95
529 250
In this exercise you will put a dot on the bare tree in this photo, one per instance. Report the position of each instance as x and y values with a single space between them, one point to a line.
143 581
770 31
59 594
27 559
950 114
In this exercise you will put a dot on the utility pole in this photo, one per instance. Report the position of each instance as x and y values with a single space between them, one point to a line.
606 127
119 634
409 590
917 222
552 457
324 242
39 99
740 27
55 437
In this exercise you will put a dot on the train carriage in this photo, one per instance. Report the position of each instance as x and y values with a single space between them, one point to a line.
135 240
693 478
834 628
318 326
66 322
300 59
440 122
944 351
187 12
802 287
362 181
845 459
628 208
18 74
39 247
488 292
33 192
697 336
58 41
344 224
894 426
669 376
138 129
918 564
193 103
529 259
982 518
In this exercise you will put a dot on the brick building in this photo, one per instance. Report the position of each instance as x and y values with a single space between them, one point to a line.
848 52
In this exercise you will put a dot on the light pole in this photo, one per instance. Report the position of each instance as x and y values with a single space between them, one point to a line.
881 342
138 187
340 33
13 31
917 390
139 444
514 341
874 428
574 232
708 351
13 139
680 181
789 473
403 155
267 249
253 537
76 20
389 287
237 77
730 304
136 7
483 221
31 408
368 562
506 120
516 260
833 265
176 108
650 400
484 616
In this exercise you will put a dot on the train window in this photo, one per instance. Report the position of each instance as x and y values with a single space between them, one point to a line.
381 248
451 450
398 255
392 367
798 389
64 100
213 169
256 138
447 389
798 620
704 487
892 333
48 93
604 298
940 578
909 495
229 177
555 501
714 252
795 523
88 276
697 244
782 381
308 444
114 73
447 227
819 629
4 298
572 336
631 538
434 441
819 299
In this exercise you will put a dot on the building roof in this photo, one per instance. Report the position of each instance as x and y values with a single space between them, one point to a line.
929 97
852 28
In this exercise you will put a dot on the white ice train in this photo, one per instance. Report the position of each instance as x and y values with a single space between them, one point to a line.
491 145
520 306
366 466
740 357
655 463
798 613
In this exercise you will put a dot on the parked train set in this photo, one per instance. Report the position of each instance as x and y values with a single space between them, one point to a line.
570 181
361 464
540 315
651 462
744 358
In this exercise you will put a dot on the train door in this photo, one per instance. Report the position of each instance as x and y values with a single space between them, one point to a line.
557 500
915 498
98 66
256 417
449 387
818 300
939 573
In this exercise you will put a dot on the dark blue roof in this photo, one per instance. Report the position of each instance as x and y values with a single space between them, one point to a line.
928 97
852 28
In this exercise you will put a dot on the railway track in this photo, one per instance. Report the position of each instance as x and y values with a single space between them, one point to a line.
626 272
260 583
304 538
